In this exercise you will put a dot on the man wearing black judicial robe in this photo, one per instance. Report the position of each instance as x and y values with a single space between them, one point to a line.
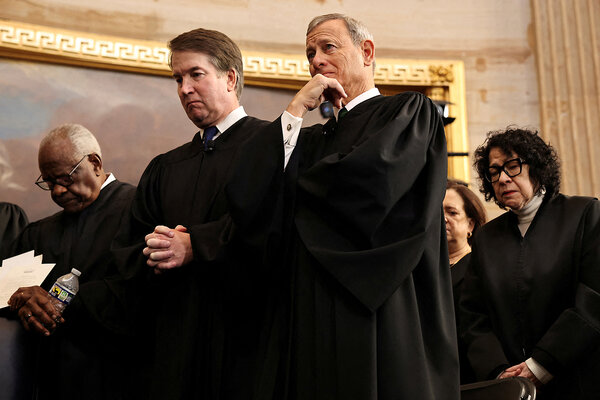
77 359
12 221
366 311
199 295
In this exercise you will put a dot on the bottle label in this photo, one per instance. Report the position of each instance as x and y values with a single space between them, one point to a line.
63 294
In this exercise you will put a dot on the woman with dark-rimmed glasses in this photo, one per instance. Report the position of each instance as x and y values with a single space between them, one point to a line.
530 305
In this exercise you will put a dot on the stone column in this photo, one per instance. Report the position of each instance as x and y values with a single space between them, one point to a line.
567 43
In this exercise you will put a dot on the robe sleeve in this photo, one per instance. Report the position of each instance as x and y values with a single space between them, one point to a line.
252 187
115 302
576 333
484 352
12 221
365 215
255 194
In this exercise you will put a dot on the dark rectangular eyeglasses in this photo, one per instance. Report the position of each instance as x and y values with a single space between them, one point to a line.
63 180
511 168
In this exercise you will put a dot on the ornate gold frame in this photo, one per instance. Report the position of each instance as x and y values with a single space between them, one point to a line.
439 79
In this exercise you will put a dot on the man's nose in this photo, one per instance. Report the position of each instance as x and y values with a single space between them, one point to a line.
186 86
58 190
318 59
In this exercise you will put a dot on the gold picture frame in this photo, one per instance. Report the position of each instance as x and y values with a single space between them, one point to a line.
439 79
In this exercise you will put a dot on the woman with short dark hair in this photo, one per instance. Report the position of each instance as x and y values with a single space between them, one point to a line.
531 298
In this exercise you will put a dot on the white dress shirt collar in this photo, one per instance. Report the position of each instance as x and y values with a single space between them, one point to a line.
362 97
229 120
108 180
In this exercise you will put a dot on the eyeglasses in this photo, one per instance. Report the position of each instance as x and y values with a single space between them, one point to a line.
511 168
63 180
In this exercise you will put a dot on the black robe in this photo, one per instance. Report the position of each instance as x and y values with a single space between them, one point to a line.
538 296
80 359
364 308
458 272
12 221
196 323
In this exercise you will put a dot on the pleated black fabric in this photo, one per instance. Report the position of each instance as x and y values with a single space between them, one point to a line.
362 308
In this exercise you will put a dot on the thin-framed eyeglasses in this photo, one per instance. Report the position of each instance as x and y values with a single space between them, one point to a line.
63 180
511 168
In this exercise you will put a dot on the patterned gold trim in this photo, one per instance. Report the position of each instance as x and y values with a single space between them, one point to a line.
442 79
388 71
33 41
47 44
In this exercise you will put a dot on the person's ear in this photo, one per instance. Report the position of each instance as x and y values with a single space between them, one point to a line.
231 80
96 162
368 52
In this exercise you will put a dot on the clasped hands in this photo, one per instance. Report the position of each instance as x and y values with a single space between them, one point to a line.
168 248
35 310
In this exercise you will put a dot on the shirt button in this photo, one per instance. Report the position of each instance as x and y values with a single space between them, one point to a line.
289 127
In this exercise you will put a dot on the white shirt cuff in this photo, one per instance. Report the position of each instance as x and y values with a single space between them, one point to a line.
290 126
540 372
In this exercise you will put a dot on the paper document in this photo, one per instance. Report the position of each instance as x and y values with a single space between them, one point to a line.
21 271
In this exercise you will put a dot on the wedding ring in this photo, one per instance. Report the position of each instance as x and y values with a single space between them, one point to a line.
27 317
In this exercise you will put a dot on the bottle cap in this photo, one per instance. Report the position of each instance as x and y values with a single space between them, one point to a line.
75 272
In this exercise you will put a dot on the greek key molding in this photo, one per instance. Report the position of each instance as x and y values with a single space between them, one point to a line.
415 72
275 66
47 44
53 45
440 79
387 71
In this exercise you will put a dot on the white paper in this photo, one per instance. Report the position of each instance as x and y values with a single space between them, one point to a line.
21 271
25 258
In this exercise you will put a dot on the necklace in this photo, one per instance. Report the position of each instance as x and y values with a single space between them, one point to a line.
455 257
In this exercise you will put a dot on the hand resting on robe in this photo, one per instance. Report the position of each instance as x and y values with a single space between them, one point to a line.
168 248
35 309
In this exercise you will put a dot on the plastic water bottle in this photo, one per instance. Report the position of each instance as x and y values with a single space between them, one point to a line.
64 289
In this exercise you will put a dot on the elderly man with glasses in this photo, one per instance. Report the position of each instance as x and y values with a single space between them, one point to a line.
79 236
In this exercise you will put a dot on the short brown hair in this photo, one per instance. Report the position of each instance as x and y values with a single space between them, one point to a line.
473 206
223 53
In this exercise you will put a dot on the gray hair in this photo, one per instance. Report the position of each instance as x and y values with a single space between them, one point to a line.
358 31
83 141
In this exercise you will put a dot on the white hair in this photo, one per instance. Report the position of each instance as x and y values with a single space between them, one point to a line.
357 30
83 141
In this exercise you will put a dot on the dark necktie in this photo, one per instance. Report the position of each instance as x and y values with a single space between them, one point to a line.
342 113
209 134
